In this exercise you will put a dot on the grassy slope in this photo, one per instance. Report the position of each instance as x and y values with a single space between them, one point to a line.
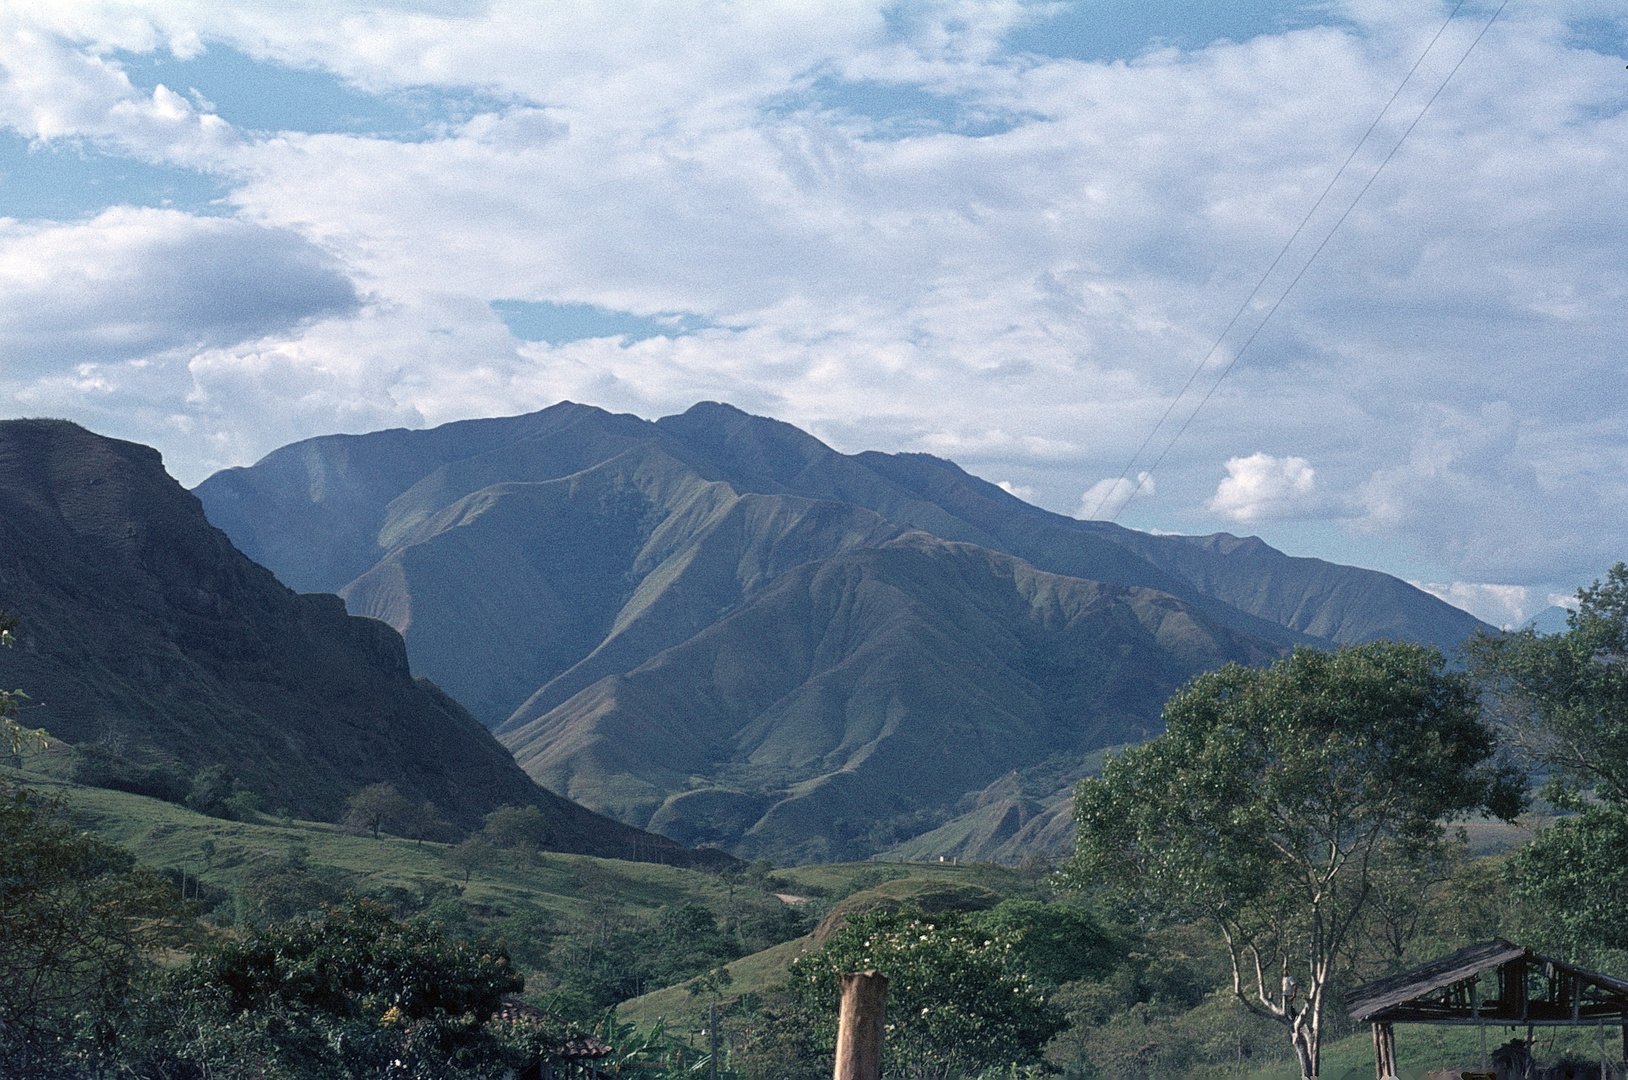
165 835
933 885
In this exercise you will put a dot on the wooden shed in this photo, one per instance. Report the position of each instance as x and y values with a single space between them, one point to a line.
1496 983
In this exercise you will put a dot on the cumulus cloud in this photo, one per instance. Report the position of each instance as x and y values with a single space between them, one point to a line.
1261 487
1108 497
1504 606
1508 490
1020 491
130 283
897 232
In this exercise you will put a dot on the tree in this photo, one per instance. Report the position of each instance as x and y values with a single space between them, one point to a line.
957 1001
475 853
12 733
1273 797
516 828
374 807
354 993
77 919
1563 698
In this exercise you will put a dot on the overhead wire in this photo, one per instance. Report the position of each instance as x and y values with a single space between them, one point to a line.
1143 477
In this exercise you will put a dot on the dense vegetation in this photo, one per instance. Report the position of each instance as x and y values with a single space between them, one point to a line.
1329 816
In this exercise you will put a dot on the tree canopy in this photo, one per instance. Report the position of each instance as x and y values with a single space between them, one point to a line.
1273 798
958 999
79 917
1563 699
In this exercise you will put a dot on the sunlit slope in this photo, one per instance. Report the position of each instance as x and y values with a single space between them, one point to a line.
143 629
855 698
520 594
325 512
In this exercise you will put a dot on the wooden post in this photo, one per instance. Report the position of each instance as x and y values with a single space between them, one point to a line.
859 1026
712 1040
1384 1052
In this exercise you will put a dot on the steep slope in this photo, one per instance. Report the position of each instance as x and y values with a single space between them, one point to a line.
385 509
853 700
585 576
1243 583
312 510
144 627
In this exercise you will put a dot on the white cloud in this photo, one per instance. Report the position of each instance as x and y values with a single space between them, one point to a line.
130 283
1021 491
1261 487
1028 302
1108 497
1505 606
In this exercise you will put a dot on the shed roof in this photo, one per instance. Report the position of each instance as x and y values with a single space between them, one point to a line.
1607 994
1444 971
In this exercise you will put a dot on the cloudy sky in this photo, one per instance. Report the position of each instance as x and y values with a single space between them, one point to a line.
1010 232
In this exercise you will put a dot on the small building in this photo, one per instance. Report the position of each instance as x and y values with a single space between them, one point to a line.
1494 984
573 1055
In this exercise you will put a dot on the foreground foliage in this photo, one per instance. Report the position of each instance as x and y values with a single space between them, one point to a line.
1563 699
959 998
1275 799
78 918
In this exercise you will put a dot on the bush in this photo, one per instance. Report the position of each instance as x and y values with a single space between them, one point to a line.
80 916
959 1001
95 765
353 993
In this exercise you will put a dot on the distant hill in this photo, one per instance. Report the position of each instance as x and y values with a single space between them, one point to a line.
564 572
854 699
145 630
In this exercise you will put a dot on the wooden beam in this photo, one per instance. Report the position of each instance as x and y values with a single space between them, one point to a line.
1384 1052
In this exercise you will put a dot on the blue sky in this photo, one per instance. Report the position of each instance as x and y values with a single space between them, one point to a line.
1002 231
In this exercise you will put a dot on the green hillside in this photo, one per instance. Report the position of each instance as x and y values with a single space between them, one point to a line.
853 701
569 573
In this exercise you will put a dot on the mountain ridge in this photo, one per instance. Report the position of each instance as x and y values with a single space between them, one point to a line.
564 571
144 628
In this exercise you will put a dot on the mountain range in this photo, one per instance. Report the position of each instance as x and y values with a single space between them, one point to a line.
715 626
146 633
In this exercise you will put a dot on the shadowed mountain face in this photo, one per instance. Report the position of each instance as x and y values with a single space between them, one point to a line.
144 627
587 583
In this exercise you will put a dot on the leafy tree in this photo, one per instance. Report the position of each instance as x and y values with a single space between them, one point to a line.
958 1002
16 737
424 822
354 993
475 853
374 807
516 828
218 793
1572 882
1268 803
77 919
1564 700
1564 697
1056 943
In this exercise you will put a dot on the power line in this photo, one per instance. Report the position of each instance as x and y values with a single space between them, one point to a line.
1143 477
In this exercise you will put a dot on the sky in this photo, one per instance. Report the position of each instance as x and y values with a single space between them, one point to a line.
1030 236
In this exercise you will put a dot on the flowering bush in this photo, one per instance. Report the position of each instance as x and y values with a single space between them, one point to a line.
958 1000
